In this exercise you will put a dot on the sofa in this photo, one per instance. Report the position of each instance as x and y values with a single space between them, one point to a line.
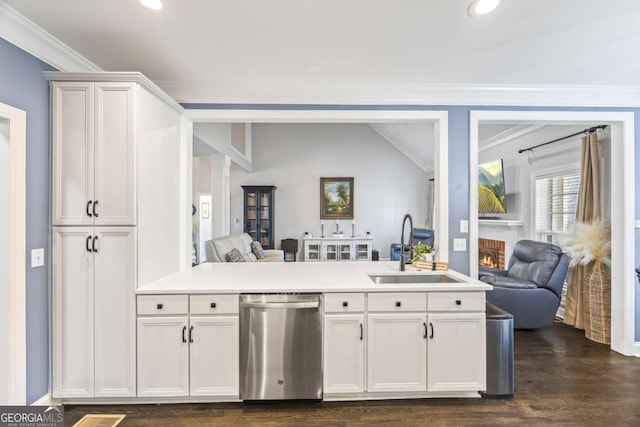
216 249
531 287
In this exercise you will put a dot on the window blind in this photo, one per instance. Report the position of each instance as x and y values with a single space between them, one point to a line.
556 199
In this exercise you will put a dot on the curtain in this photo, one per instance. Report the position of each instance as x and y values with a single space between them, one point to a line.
588 209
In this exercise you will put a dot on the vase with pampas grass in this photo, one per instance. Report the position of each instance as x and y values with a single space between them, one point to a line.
590 244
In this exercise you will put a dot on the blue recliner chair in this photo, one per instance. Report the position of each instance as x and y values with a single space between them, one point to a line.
532 286
424 235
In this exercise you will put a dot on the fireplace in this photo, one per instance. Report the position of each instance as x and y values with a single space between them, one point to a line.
491 253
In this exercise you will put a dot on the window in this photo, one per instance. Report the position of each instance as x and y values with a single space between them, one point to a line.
556 199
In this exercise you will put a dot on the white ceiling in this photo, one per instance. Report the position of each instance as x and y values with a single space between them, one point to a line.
192 47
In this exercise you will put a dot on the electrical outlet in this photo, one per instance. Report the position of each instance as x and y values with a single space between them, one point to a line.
236 223
37 257
464 226
459 245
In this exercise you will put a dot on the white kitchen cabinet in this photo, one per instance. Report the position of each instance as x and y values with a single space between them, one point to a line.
214 355
344 345
396 352
93 278
116 171
456 360
163 356
203 356
93 134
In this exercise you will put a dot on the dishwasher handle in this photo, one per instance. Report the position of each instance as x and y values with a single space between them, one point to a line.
286 305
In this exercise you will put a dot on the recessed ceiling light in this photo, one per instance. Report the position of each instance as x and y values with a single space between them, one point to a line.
482 7
152 4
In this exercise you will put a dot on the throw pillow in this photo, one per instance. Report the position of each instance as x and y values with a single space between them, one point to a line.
234 255
257 249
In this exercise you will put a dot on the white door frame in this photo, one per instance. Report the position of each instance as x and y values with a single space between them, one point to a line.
622 206
17 249
439 118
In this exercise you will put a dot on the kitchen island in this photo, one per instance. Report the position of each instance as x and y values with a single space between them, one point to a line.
380 340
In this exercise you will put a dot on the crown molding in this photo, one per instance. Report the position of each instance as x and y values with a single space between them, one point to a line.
516 131
396 142
405 94
20 31
136 77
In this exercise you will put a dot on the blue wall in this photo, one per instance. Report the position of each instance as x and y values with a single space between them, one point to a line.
23 86
459 162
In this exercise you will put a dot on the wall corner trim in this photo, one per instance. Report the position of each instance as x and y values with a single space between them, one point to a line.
20 31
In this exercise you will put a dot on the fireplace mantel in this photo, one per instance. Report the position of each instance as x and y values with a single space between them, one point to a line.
510 223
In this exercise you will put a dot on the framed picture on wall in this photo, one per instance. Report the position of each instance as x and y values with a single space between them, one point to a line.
336 198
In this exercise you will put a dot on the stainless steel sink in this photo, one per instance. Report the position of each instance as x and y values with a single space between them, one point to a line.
412 278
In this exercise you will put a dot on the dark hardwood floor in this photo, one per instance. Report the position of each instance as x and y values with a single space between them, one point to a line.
561 379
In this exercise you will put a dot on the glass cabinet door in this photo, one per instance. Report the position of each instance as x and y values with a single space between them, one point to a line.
345 252
313 252
362 251
265 216
331 252
251 220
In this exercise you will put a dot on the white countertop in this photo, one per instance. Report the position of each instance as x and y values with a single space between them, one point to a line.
263 277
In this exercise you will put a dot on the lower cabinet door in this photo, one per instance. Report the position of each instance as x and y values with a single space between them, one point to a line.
115 312
344 353
72 320
396 352
457 352
163 356
214 356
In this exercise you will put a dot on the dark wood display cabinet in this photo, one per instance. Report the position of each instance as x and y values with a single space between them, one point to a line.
258 213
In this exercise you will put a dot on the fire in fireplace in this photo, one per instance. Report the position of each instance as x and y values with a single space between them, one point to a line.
491 253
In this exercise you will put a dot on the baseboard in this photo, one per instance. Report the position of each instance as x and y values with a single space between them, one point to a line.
636 349
45 400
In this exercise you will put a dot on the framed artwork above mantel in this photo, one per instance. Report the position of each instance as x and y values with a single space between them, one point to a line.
336 198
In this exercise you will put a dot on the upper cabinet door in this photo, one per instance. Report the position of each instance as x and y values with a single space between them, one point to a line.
73 153
94 153
115 160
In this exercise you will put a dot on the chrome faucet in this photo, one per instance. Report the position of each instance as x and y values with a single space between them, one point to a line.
407 216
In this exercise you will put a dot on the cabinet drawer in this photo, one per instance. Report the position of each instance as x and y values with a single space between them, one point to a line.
343 303
163 304
213 304
397 301
456 301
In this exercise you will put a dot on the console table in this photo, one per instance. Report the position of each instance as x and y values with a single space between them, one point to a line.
337 249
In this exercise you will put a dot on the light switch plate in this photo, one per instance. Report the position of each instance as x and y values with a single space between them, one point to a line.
464 226
37 257
459 245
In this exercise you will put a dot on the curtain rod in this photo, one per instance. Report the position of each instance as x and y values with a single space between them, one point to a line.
585 131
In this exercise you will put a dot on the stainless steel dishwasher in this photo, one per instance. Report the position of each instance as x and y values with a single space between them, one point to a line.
280 346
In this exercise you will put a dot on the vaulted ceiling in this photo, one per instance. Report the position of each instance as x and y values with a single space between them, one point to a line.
193 48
